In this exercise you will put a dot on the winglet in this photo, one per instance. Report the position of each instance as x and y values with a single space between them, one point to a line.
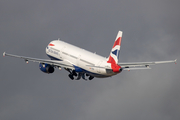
4 54
175 61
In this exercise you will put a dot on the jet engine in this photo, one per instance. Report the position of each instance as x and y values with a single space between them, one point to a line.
46 68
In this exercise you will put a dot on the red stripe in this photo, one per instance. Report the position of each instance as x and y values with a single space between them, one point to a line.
111 60
117 42
51 44
115 67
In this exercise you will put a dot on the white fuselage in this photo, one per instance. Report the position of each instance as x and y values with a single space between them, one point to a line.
87 61
81 63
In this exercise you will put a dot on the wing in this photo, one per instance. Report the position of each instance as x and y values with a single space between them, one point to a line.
64 64
142 65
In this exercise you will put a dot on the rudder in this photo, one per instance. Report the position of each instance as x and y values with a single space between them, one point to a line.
114 54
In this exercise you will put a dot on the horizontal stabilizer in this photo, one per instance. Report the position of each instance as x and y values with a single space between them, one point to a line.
141 64
136 68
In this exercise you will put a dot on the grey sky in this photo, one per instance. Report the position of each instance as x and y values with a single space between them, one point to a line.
150 32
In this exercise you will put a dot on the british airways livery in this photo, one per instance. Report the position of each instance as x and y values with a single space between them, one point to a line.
81 63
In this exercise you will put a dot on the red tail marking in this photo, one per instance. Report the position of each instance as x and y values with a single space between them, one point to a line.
117 42
115 67
111 60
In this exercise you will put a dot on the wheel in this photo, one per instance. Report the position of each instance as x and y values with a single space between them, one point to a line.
74 73
91 77
71 76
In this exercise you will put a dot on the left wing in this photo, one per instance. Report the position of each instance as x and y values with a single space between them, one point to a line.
65 64
142 65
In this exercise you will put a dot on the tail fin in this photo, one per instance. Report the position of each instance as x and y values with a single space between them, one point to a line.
114 54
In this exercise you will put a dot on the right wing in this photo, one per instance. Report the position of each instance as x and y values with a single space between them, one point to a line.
142 65
64 64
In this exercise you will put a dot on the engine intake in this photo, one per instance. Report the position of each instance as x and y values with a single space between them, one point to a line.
46 68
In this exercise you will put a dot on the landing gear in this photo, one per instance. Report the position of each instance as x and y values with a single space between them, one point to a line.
83 76
79 75
71 76
91 77
72 73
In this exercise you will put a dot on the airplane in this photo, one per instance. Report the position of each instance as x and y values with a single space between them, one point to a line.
83 64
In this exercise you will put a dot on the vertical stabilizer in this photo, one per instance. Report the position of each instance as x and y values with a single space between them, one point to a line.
114 54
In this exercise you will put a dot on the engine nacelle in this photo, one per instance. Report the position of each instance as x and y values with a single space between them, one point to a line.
46 68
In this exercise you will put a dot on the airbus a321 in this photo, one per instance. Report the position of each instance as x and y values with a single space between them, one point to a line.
81 63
